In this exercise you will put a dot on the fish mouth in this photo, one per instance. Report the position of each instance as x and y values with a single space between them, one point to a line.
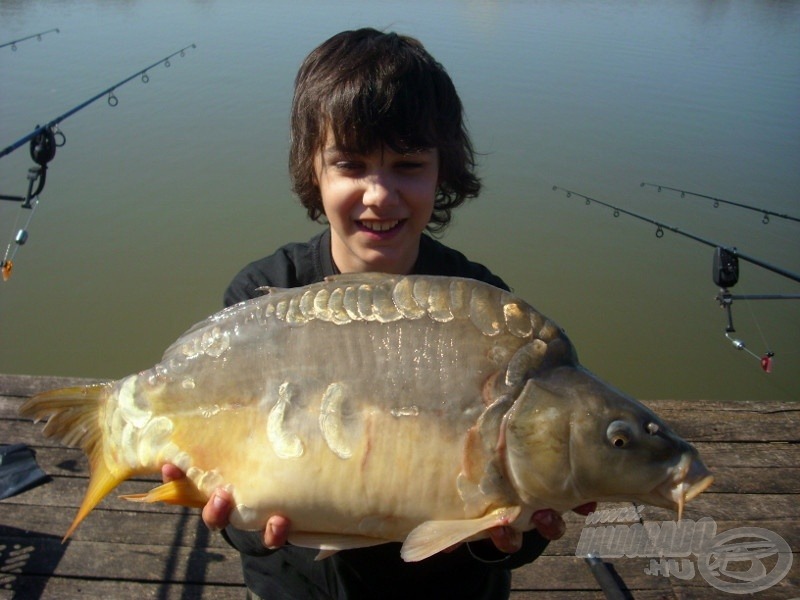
691 478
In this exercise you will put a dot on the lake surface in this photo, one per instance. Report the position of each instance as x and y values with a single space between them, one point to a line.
153 205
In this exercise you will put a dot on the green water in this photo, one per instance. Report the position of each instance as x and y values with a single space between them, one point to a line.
153 205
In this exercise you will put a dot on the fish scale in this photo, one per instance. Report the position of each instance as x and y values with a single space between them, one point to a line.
371 408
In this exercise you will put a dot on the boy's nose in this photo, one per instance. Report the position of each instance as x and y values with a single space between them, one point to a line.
379 191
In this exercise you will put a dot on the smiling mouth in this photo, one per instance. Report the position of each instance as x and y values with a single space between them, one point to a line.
380 226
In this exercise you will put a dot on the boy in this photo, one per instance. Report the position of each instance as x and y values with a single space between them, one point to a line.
380 151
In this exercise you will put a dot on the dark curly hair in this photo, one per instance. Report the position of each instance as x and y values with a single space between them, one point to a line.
372 88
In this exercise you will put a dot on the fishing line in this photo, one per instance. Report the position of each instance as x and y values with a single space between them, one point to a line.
725 271
769 354
21 237
38 36
43 142
717 201
725 299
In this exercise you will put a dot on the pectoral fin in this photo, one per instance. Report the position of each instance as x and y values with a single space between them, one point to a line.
179 491
331 543
434 536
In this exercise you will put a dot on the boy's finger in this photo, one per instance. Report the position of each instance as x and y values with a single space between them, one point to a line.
217 509
171 473
276 532
549 523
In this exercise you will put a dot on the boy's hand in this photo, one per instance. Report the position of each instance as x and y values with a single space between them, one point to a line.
218 508
547 522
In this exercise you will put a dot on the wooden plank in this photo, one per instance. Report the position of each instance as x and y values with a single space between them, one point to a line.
758 480
28 385
548 574
638 594
736 507
121 527
731 421
57 588
47 556
779 592
789 530
749 454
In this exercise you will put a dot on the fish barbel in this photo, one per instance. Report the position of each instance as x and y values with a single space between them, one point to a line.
373 408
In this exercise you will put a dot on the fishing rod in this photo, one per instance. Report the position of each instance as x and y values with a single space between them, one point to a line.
662 226
112 101
44 140
717 201
38 36
725 272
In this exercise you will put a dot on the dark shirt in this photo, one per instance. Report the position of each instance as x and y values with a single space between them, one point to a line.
477 570
299 264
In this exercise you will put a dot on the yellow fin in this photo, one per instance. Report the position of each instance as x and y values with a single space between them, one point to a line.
73 418
179 491
101 482
434 536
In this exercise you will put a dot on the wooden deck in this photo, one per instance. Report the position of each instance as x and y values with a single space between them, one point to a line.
137 551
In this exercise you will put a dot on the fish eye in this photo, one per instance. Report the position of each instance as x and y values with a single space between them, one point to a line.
619 434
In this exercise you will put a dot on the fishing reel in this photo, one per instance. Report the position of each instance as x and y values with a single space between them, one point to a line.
43 146
42 149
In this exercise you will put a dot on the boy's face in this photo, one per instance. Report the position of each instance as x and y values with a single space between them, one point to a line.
377 204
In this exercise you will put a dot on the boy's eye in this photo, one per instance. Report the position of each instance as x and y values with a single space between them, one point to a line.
347 165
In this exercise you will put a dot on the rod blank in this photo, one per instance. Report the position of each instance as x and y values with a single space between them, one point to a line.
696 238
72 111
39 35
767 213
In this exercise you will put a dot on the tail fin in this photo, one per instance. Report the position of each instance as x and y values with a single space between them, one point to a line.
72 417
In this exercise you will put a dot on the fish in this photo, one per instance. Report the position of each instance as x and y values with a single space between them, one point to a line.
372 408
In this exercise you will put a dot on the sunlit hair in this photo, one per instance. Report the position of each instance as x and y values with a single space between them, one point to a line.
372 88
